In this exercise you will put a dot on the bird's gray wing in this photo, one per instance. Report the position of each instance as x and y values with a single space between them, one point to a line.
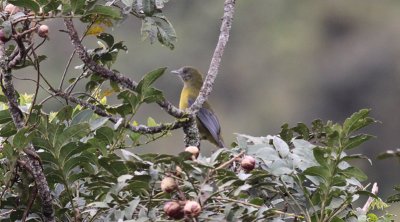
209 120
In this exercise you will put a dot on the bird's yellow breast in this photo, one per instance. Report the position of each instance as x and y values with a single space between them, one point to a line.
186 94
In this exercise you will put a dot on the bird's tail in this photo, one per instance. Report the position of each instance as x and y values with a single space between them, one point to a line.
221 143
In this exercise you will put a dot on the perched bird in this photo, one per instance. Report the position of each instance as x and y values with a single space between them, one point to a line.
207 121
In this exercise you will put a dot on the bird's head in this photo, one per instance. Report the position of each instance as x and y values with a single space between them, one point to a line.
189 75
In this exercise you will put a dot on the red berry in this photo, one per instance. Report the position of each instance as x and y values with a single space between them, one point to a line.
43 31
11 9
168 184
192 208
193 150
248 163
174 210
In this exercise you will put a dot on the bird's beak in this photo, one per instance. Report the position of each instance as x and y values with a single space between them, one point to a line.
177 72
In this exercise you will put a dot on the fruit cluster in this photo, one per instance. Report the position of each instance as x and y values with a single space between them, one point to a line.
17 16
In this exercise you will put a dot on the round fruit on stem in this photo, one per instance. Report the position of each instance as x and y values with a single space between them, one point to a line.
173 209
193 150
248 163
11 9
43 31
192 208
168 184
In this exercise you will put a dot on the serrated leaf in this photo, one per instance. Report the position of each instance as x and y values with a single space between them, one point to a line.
355 141
357 121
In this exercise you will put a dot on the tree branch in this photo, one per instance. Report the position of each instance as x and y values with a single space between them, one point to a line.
108 74
17 116
229 9
139 129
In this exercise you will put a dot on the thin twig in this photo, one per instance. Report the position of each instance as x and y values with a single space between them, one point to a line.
31 200
72 56
35 95
230 161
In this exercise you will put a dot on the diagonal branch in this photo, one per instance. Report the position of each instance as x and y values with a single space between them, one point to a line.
109 74
229 9
142 129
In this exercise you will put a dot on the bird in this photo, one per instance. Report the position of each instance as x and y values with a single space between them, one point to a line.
207 121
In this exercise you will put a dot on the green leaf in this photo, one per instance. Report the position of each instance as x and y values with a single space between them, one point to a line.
148 7
151 95
77 5
286 134
106 11
21 140
149 79
356 141
107 38
83 116
8 130
389 153
355 156
5 116
74 162
65 113
321 155
73 132
354 172
29 4
151 122
71 149
319 171
116 168
97 123
302 130
394 198
367 193
357 121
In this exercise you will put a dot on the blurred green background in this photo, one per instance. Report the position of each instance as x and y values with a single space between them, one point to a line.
286 61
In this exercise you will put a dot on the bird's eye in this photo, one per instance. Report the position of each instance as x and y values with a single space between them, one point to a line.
185 71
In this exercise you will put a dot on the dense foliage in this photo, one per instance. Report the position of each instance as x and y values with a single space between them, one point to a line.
85 149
